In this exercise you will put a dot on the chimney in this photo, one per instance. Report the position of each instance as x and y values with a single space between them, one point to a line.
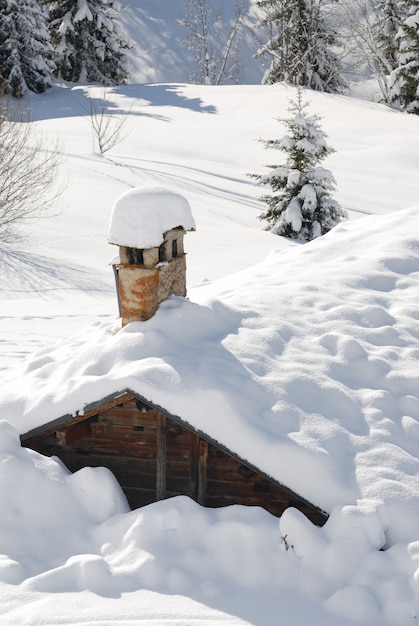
148 224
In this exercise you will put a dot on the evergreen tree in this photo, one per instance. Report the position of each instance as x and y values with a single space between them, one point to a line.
301 206
300 45
405 78
386 28
369 27
25 49
88 44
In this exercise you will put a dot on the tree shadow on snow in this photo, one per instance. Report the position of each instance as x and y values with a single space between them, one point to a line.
165 95
24 272
75 101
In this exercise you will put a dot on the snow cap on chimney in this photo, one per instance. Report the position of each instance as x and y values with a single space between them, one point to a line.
142 215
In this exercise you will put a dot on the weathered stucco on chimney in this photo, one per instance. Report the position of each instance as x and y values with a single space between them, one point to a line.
172 279
143 286
137 293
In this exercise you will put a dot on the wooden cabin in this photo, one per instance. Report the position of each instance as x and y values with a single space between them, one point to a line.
155 455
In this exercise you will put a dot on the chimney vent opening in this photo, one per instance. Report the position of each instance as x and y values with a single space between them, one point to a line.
174 249
135 256
162 253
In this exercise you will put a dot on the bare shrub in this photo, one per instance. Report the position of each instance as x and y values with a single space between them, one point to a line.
106 126
28 168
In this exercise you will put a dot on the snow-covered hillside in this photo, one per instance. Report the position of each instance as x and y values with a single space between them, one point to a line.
201 141
317 345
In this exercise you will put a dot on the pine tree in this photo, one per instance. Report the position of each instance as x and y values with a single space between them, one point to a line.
301 206
300 45
88 44
25 49
386 28
405 78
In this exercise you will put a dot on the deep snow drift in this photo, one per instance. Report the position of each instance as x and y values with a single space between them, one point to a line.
299 369
306 372
76 556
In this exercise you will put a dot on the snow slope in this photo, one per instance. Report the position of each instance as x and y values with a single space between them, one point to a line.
201 142
325 346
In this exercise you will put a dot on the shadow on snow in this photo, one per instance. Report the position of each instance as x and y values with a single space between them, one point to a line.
52 105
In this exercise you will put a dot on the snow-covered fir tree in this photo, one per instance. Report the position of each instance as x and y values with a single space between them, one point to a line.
301 45
389 18
369 29
25 49
301 206
405 78
89 45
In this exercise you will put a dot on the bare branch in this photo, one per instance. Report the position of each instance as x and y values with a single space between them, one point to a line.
213 41
106 127
28 168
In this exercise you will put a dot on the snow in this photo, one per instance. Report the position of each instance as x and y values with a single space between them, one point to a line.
292 215
316 361
142 215
308 197
326 367
83 12
306 355
79 557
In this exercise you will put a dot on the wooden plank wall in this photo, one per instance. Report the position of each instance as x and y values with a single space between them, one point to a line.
154 457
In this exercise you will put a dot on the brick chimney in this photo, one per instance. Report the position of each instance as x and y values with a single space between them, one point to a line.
148 224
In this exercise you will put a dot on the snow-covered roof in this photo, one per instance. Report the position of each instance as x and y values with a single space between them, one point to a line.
141 216
306 365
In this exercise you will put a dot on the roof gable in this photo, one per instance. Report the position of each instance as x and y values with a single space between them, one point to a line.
135 440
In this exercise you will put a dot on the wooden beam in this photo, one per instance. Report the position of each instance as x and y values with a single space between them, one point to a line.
67 436
161 457
67 421
193 468
202 471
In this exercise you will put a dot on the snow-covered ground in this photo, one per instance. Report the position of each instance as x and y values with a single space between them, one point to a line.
340 322
202 141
